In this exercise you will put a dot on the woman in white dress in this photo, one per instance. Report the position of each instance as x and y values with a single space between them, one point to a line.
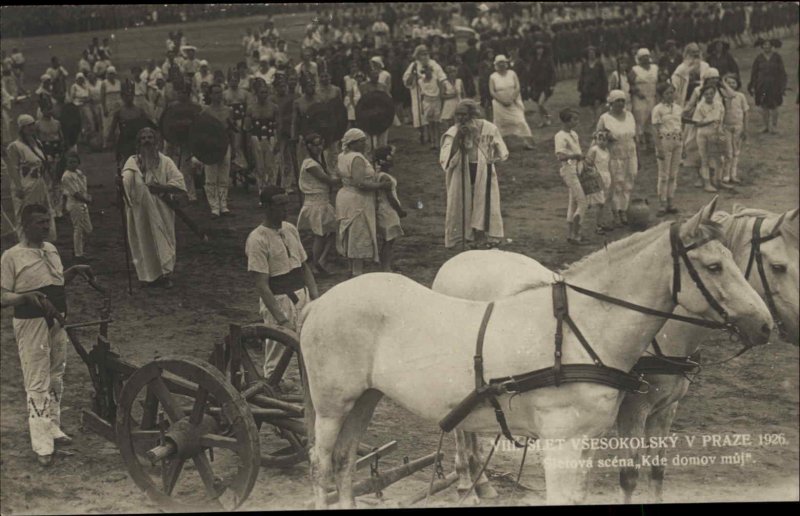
110 100
507 106
356 238
624 164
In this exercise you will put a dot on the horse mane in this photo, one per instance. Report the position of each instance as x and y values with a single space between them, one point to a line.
707 230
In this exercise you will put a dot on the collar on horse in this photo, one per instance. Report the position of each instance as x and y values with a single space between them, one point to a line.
597 372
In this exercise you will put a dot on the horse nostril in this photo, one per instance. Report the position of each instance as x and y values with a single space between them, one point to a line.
766 330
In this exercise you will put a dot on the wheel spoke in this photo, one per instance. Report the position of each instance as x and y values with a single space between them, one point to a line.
150 410
171 407
206 473
199 406
170 476
145 435
219 441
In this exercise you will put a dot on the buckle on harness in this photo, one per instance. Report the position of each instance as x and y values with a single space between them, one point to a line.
643 382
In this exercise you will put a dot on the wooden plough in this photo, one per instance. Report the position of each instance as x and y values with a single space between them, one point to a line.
188 429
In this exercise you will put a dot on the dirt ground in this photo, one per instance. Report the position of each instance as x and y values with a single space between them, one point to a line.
755 394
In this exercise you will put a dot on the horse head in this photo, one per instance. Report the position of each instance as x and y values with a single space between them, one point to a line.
711 285
776 277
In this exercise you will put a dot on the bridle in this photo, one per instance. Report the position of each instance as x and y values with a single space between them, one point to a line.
679 253
756 256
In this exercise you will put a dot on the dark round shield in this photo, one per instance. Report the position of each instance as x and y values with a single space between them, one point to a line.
128 130
176 121
70 118
208 139
328 119
375 112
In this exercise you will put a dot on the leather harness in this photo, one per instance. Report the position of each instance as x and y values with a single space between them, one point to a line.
658 363
755 256
597 372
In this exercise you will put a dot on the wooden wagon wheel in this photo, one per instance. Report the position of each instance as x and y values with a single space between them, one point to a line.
282 412
180 408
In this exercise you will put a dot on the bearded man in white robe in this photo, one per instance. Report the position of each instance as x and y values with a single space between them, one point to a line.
149 177
469 151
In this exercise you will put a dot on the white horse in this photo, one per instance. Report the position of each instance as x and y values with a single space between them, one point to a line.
489 275
385 334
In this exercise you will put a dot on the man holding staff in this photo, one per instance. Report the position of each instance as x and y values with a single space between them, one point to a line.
470 148
146 177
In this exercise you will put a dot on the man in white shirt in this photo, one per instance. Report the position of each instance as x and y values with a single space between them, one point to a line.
278 262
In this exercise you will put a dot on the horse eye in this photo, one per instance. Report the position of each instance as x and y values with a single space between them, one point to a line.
715 267
779 268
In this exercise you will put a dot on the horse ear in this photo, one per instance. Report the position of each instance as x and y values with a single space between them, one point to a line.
737 208
690 227
791 215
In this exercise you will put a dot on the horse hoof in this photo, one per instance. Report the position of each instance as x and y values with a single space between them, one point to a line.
486 491
472 499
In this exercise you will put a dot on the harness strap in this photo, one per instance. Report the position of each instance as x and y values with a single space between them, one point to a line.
649 311
571 373
480 382
755 256
583 341
657 348
560 310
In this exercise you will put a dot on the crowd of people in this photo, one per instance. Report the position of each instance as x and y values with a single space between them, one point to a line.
461 76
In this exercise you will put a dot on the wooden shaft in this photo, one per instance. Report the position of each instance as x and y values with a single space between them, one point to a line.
388 477
439 485
89 323
263 401
383 451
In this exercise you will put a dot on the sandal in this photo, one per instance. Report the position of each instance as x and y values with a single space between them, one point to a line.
600 230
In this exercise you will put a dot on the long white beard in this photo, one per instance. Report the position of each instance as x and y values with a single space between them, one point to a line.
149 158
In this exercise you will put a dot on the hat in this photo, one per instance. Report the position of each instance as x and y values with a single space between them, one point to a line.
615 95
186 48
377 59
79 75
203 62
642 52
500 58
420 49
111 69
353 135
24 120
710 74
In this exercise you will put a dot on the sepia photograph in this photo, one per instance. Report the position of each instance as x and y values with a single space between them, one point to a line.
398 255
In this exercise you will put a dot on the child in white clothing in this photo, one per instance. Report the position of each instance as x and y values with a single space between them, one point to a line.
735 127
75 188
388 210
597 158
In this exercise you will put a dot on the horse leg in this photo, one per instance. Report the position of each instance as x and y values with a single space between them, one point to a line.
462 461
658 425
631 423
565 470
483 488
326 432
346 447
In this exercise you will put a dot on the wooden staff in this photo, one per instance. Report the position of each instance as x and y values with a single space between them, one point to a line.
122 200
464 179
